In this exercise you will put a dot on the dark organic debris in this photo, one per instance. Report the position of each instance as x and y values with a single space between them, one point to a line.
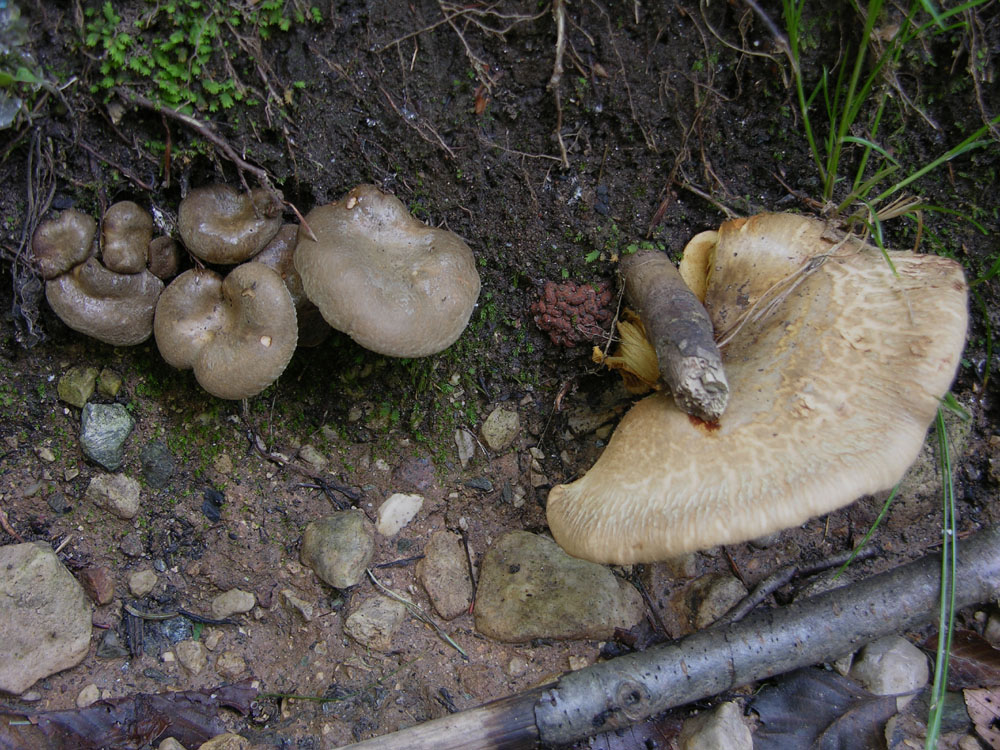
572 313
190 717
813 708
211 508
973 663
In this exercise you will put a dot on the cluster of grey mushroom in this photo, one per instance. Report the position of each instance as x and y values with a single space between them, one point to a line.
363 265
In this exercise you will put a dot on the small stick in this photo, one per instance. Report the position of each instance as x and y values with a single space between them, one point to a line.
5 524
784 575
202 129
680 331
417 612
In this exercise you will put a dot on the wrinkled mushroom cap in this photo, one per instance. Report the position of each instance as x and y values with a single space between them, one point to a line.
125 236
221 225
833 387
61 243
115 308
390 282
237 334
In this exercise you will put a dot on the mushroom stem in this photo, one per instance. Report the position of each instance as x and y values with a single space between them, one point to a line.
680 331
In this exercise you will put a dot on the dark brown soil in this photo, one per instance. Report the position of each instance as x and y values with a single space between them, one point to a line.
664 125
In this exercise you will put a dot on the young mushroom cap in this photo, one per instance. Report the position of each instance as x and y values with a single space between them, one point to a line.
126 233
221 225
164 257
279 255
116 308
387 280
237 334
61 243
836 366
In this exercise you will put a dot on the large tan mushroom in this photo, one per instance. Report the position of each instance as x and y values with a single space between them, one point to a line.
836 366
116 308
237 334
390 282
221 225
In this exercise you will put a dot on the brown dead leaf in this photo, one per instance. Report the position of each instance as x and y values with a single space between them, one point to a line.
974 663
983 705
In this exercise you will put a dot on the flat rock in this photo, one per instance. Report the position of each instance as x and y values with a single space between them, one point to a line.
529 588
230 665
99 583
711 596
500 428
45 620
339 547
228 741
192 655
375 622
722 728
890 666
295 603
109 383
157 464
466 445
141 582
76 386
444 574
103 431
397 511
115 492
232 602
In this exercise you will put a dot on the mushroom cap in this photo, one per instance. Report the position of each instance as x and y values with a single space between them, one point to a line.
63 242
221 225
833 386
164 257
125 237
237 334
116 308
386 279
279 256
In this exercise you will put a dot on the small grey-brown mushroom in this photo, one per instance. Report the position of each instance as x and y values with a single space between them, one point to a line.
116 308
63 242
279 255
164 257
237 334
387 280
221 225
125 236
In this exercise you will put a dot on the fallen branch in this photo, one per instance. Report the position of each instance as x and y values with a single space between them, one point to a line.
620 692
680 331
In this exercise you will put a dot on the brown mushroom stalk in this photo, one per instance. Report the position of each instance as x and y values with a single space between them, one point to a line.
836 366
680 331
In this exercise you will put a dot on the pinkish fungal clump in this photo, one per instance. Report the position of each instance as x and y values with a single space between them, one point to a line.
572 313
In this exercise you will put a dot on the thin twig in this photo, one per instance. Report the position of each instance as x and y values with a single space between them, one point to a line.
5 524
203 129
417 612
784 575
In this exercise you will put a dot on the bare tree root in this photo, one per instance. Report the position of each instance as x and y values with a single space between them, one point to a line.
629 689
680 331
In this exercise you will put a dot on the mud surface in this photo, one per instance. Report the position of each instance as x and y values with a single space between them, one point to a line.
663 116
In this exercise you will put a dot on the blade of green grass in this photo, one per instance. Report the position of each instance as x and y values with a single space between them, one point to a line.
946 611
